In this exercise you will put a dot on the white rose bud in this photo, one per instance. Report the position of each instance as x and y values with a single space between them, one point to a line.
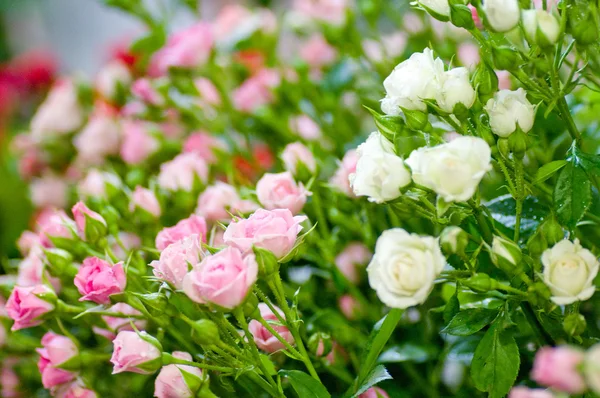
453 170
455 89
591 368
404 268
411 81
454 240
59 114
569 272
540 27
502 15
506 251
439 9
110 77
509 110
380 173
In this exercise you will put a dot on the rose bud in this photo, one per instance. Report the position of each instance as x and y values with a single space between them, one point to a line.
181 172
90 224
456 92
374 392
188 48
31 272
505 254
296 156
101 137
347 166
558 368
176 259
171 383
219 200
350 307
116 324
305 127
48 191
262 337
439 9
502 15
316 52
28 241
274 230
354 255
56 351
454 240
58 227
224 279
26 305
142 89
98 279
59 114
136 352
541 27
193 225
280 191
209 94
509 110
100 184
138 142
524 392
204 145
146 200
112 76
75 389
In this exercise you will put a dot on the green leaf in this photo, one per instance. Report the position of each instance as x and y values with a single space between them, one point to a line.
496 362
572 195
452 307
590 163
378 374
548 170
388 126
305 385
470 321
409 352
504 210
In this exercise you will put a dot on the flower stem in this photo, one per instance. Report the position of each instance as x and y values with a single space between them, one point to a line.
169 359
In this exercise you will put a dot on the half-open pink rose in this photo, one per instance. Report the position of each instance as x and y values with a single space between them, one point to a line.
280 191
98 279
25 307
170 382
176 260
347 166
374 392
262 337
146 200
75 389
56 351
80 211
56 225
133 352
220 200
204 145
193 225
180 173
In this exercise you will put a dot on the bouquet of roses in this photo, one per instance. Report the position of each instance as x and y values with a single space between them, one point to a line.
317 202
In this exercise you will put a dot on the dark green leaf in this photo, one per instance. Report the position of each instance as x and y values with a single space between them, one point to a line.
305 385
572 195
496 362
409 352
378 374
547 170
470 321
504 210
590 163
452 307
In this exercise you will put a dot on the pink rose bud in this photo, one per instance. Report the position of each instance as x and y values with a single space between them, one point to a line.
170 382
138 142
136 352
274 230
28 241
354 255
96 182
504 80
31 272
296 155
90 225
374 392
185 49
208 92
59 114
97 280
557 367
128 240
218 201
116 324
328 11
176 260
317 53
256 91
100 138
280 191
193 225
223 279
56 225
27 304
524 392
49 191
475 16
349 306
110 77
262 337
56 351
9 382
142 88
306 128
347 166
180 173
204 145
75 389
146 200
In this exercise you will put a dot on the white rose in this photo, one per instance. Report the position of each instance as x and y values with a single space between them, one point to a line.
453 170
509 109
60 113
110 77
455 89
591 368
404 268
502 15
437 7
411 81
506 249
569 271
99 138
540 27
380 173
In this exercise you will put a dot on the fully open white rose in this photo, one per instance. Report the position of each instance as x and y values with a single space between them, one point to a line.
455 89
502 15
507 110
569 272
404 267
411 81
591 368
60 113
453 170
380 173
438 7
541 27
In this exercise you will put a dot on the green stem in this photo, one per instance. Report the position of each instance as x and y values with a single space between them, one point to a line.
278 336
538 330
168 359
65 308
565 114
520 195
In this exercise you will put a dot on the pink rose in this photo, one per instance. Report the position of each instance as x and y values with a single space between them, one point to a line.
9 382
25 307
59 114
524 392
374 392
132 351
329 11
176 259
95 182
145 199
204 144
75 389
100 138
56 225
116 324
128 240
274 230
347 166
209 94
223 279
138 143
557 367
349 306
468 55
31 272
280 191
219 200
170 382
256 91
80 211
394 44
49 191
142 88
317 53
295 154
181 172
262 337
56 351
305 127
96 280
188 48
354 255
193 225
28 241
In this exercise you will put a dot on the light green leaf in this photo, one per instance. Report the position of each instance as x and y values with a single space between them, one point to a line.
548 170
470 321
378 374
409 352
305 385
